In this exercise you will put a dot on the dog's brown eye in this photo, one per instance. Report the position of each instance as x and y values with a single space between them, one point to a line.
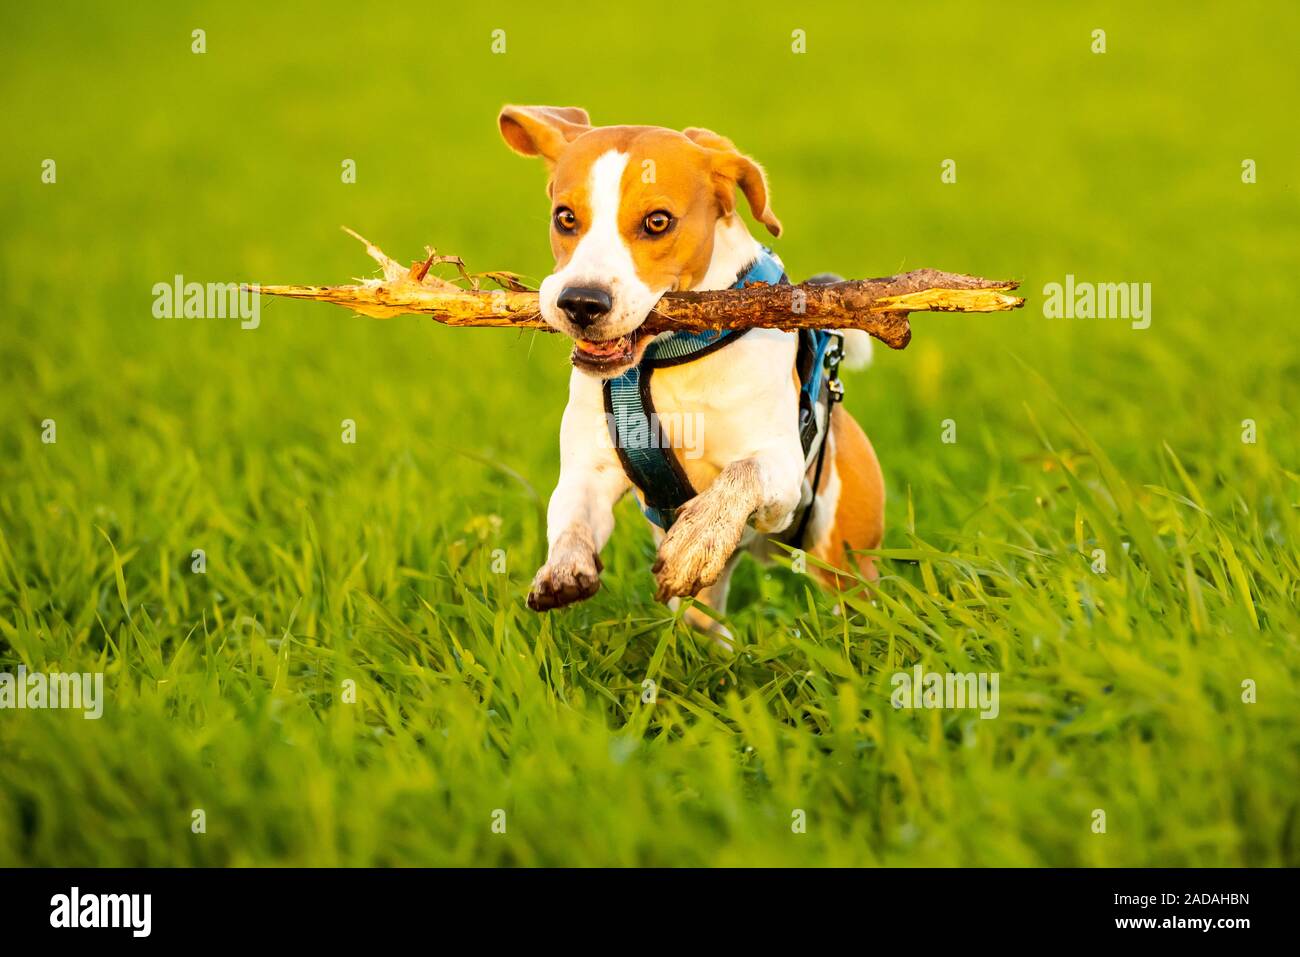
658 222
565 220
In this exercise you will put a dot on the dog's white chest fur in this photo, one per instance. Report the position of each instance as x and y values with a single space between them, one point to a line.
729 404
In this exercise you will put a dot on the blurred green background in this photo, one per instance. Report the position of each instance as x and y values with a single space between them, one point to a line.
372 563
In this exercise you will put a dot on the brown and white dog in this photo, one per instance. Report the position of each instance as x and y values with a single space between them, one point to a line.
638 211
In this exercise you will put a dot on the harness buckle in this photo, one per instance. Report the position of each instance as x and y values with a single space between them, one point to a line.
834 355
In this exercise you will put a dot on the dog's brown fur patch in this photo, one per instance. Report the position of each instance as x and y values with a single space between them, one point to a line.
860 512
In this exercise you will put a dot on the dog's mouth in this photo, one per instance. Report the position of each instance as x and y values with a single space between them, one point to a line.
605 356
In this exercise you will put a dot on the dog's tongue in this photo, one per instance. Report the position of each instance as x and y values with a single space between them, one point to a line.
611 347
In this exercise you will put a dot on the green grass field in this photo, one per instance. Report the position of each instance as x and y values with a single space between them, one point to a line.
372 562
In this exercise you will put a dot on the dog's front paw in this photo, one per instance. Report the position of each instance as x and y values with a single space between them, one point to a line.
573 575
695 551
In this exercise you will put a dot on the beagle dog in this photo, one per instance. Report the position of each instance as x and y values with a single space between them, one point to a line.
638 211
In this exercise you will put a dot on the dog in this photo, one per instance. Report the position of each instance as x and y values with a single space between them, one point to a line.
636 212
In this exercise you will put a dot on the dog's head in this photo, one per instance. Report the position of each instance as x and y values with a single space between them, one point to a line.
634 212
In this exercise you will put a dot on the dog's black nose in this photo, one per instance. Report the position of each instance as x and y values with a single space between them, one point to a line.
584 305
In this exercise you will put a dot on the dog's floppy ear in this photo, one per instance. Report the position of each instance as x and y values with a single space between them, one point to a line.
734 169
542 130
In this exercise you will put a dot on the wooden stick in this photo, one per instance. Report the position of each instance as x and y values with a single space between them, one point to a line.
878 306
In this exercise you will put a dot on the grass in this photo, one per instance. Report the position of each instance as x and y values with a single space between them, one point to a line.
372 563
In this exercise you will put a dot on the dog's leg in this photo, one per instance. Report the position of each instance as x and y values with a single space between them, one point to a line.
697 549
580 517
850 515
715 596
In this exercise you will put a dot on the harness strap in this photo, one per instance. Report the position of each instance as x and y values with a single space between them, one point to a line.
816 362
634 430
833 353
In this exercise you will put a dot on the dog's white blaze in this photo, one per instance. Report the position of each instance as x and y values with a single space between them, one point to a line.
602 252
602 259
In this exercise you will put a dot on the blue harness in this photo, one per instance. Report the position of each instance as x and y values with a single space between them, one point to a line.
634 426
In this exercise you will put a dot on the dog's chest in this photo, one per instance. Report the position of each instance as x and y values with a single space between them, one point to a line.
729 404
